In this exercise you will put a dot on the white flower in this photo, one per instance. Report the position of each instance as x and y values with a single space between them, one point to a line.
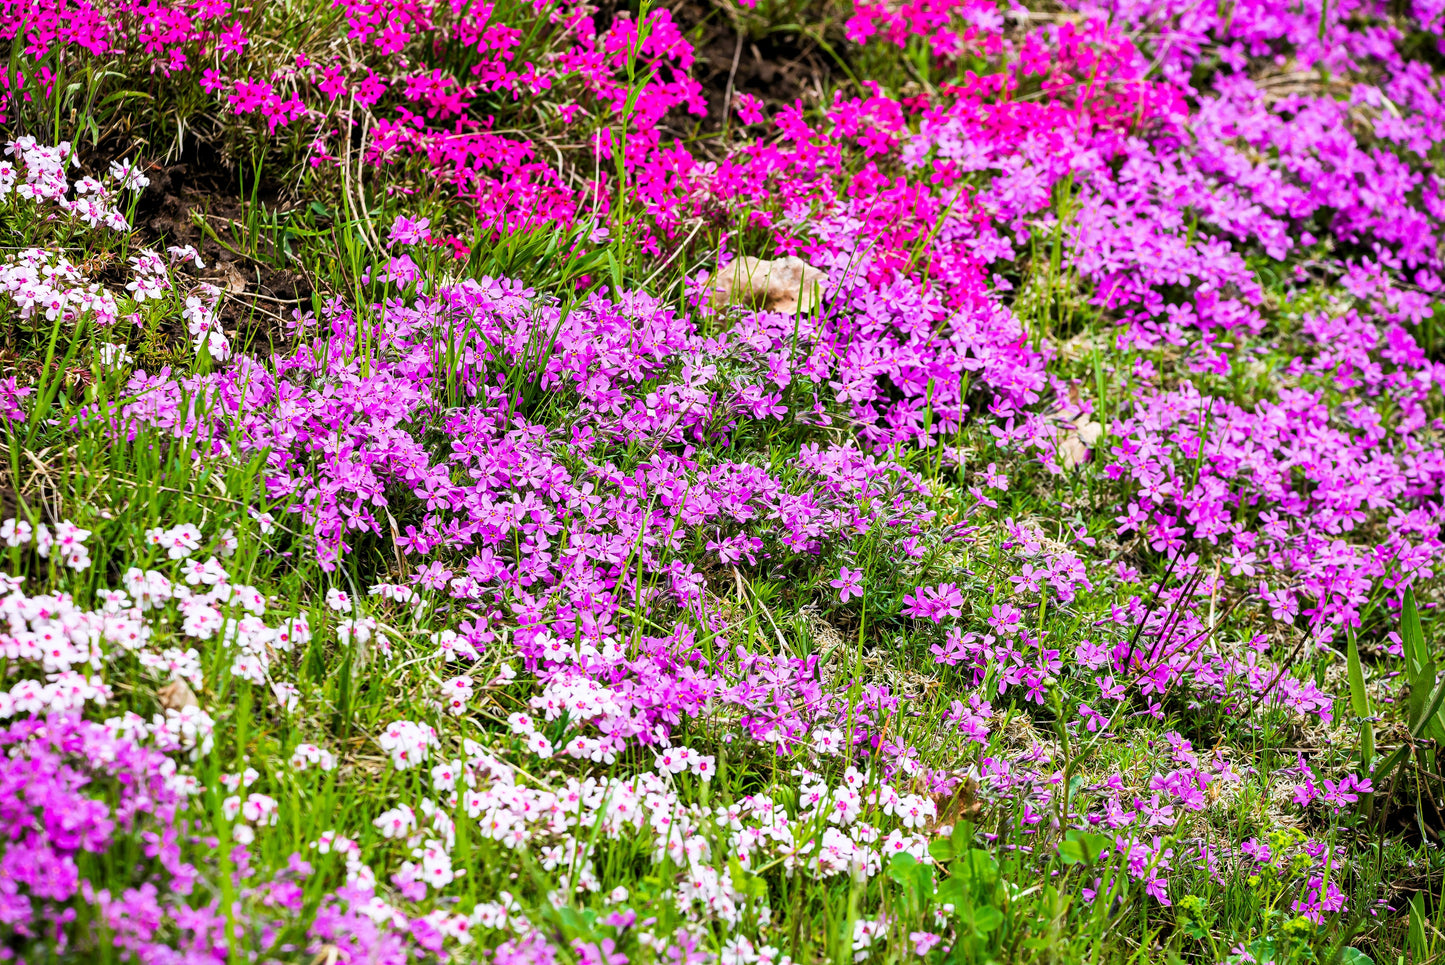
826 741
338 600
444 776
15 532
307 755
185 253
260 809
130 178
396 823
407 742
114 356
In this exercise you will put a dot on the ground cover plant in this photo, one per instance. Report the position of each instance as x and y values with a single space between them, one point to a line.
752 483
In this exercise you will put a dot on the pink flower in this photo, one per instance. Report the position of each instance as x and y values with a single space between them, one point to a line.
923 941
405 231
934 603
849 583
232 40
750 109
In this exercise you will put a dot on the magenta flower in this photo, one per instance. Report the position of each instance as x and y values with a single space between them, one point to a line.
849 583
750 109
934 603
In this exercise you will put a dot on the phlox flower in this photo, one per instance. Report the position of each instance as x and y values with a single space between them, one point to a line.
828 741
405 231
149 588
293 633
935 603
1340 794
179 542
209 573
360 630
923 941
248 597
287 694
455 694
179 253
849 583
749 108
215 343
260 809
407 742
845 807
144 287
539 745
1093 720
113 356
444 776
244 779
306 756
396 822
15 532
129 176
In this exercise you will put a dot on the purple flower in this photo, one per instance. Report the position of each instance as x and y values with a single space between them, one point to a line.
849 583
405 231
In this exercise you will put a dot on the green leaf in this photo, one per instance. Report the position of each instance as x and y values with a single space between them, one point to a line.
981 866
124 95
900 867
1416 939
1262 949
1415 704
1396 759
1084 846
1412 639
1071 852
1428 714
923 879
745 881
962 837
1423 706
952 892
986 919
941 850
1359 699
1353 956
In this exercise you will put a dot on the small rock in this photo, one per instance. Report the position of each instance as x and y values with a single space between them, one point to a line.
1079 438
785 285
235 281
177 695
